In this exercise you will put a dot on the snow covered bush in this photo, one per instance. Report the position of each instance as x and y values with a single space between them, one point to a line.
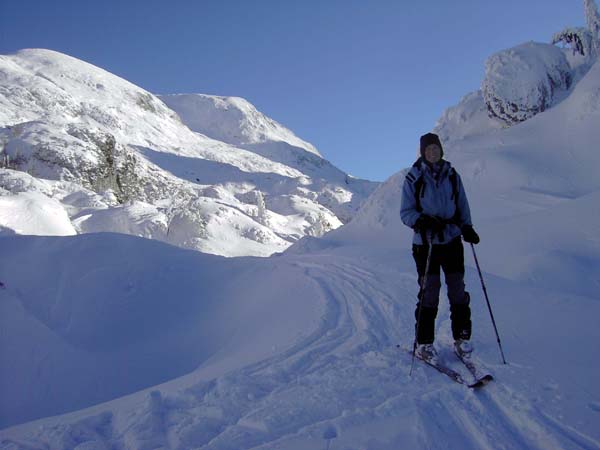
523 81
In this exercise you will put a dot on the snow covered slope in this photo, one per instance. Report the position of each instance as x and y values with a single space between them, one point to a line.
102 315
66 122
232 120
533 188
291 352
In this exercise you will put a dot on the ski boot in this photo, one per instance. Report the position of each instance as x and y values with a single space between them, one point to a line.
463 348
427 352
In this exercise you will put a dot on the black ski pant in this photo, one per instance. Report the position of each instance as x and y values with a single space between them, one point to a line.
450 257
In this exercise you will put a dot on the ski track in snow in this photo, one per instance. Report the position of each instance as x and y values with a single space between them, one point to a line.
348 372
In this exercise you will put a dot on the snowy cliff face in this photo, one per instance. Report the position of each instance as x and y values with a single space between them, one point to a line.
525 80
118 159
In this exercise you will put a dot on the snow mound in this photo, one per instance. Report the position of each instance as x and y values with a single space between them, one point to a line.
524 80
33 213
97 316
138 219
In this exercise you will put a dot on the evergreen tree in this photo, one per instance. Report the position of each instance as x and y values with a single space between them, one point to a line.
262 209
579 39
593 23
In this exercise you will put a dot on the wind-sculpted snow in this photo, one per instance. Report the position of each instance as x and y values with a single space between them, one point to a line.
98 316
525 80
308 358
34 213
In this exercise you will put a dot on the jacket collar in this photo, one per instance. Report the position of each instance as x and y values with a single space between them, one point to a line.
424 166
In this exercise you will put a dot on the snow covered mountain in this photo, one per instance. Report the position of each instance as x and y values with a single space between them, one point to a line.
232 120
113 341
116 158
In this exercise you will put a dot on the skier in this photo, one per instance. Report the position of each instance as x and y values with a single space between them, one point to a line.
435 205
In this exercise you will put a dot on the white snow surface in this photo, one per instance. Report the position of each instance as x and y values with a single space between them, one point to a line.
115 341
469 118
231 119
34 213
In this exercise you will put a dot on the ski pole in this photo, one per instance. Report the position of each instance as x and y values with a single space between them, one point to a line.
420 297
488 302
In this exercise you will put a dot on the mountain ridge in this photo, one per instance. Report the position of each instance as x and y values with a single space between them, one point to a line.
67 121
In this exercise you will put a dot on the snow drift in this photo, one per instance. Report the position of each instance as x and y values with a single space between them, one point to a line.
98 316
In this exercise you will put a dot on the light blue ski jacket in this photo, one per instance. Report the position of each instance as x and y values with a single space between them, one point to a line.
436 198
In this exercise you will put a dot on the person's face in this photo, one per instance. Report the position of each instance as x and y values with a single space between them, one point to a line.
433 153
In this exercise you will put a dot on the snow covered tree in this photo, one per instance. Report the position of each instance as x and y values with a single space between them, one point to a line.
261 215
593 22
523 81
578 38
180 202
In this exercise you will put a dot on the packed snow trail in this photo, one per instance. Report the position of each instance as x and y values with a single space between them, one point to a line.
346 375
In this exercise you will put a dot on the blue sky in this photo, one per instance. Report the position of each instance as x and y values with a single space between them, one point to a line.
360 80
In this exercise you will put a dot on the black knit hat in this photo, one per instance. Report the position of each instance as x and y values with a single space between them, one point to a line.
428 139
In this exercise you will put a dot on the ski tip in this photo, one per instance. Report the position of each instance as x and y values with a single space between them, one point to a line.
481 382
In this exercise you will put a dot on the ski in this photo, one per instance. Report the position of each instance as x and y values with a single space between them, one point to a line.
479 375
450 373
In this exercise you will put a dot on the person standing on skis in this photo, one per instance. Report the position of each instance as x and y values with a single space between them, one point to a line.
435 206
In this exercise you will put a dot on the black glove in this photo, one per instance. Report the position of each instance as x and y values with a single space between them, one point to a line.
429 223
469 235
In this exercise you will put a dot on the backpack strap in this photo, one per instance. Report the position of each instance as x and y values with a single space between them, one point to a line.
453 177
419 192
419 184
